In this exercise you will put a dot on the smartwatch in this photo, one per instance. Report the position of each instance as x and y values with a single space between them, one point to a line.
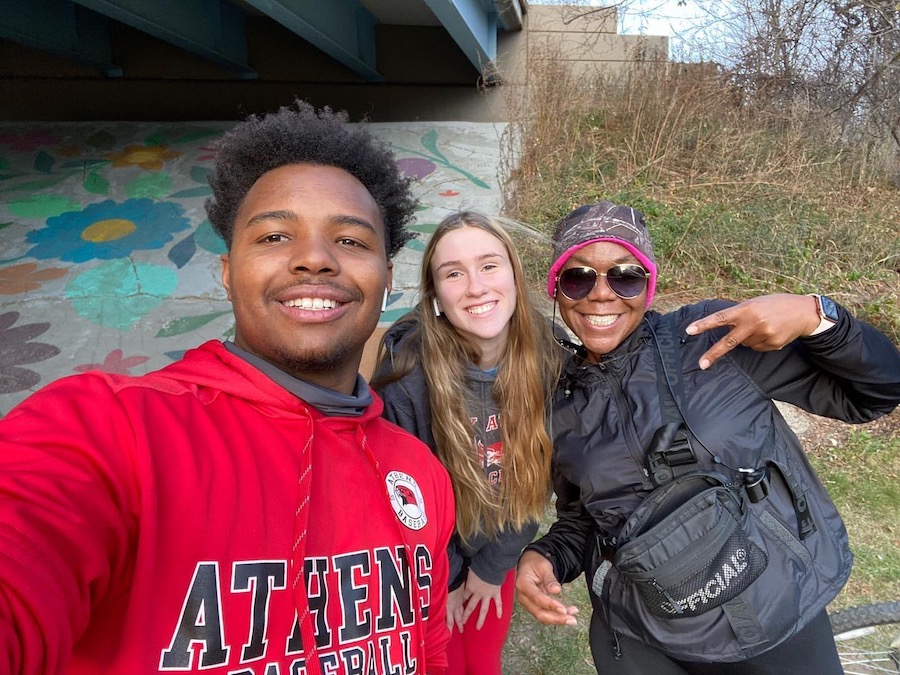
828 313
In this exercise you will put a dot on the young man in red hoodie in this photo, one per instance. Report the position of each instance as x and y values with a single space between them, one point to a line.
245 510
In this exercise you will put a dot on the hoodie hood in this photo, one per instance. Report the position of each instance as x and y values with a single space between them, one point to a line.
401 332
211 370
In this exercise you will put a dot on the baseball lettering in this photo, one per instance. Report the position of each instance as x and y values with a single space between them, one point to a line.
373 589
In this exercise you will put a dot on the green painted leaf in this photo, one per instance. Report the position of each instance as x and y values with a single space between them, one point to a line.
182 252
188 323
44 162
6 224
429 142
208 240
155 139
199 174
41 205
425 228
96 184
34 185
415 245
154 185
472 177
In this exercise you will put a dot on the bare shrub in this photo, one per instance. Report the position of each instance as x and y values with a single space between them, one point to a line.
744 195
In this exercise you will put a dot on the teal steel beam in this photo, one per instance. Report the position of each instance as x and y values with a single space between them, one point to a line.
343 29
58 27
213 29
473 26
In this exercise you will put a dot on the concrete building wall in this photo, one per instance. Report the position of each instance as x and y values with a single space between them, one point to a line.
585 38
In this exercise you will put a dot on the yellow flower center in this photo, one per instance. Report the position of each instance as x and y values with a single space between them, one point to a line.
108 230
141 156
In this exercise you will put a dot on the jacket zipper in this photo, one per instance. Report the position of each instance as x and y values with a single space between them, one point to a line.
631 437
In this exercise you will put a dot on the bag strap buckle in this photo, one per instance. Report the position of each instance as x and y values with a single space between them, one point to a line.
670 454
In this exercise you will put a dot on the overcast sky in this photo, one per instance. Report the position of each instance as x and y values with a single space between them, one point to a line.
683 24
656 17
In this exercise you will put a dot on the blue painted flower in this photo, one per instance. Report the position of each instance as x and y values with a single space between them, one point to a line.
108 230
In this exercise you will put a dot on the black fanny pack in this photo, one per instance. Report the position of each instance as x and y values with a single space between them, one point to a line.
686 547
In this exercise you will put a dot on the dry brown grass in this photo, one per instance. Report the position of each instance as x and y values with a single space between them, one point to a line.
742 197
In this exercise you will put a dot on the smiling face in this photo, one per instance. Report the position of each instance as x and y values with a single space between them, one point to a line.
476 289
307 272
602 320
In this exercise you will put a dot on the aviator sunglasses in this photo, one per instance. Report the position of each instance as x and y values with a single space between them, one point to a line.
626 281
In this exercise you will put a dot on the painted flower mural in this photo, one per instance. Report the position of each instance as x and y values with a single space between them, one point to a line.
107 230
103 239
150 157
16 350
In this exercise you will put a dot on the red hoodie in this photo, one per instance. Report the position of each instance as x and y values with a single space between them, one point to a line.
147 525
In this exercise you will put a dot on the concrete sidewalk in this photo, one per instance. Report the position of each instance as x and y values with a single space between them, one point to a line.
106 257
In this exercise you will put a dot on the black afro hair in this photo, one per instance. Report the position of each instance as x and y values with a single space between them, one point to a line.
303 135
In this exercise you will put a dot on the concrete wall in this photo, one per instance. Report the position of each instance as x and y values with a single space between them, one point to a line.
587 39
584 38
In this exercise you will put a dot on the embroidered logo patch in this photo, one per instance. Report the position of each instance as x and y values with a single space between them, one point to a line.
406 498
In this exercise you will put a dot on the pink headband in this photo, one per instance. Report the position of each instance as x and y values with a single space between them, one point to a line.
637 253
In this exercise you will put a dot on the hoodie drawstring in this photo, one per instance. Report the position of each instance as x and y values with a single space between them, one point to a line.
298 558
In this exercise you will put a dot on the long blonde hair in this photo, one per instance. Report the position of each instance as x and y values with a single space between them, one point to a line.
527 372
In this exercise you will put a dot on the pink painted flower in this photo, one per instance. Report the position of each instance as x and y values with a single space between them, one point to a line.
448 193
210 153
115 362
28 141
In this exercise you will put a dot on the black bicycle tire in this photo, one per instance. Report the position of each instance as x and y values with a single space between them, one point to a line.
864 616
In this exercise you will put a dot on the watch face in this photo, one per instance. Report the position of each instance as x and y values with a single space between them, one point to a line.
829 308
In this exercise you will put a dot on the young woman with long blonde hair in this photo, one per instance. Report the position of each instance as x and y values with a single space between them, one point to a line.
470 371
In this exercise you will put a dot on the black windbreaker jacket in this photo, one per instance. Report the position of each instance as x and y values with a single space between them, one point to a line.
605 415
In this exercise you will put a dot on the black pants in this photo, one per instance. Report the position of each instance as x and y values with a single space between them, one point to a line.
809 652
